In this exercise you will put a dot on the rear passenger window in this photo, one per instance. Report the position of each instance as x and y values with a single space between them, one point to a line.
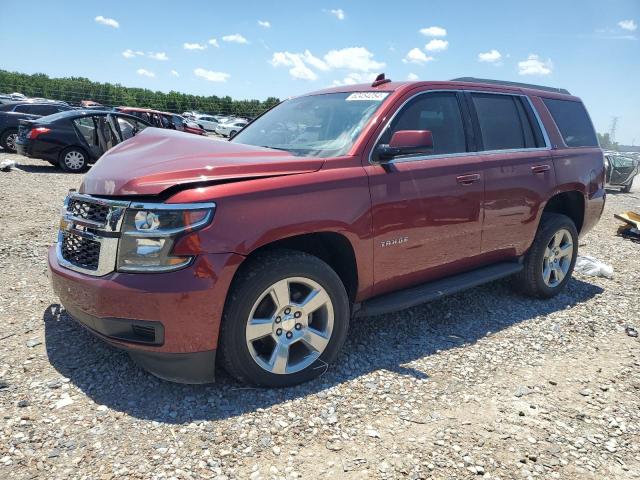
504 122
437 112
44 109
573 122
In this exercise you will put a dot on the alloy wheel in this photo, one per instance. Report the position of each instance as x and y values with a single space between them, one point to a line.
557 258
290 325
11 141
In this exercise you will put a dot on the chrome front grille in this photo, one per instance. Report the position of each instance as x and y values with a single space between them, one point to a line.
88 210
80 251
89 232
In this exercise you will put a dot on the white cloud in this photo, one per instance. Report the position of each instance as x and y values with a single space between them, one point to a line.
235 38
433 32
492 56
145 73
193 46
416 55
314 61
128 53
297 63
214 42
413 77
175 73
356 77
628 25
534 66
338 13
353 58
304 65
264 23
109 22
210 75
436 45
158 56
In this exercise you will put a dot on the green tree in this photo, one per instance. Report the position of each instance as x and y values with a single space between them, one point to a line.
76 89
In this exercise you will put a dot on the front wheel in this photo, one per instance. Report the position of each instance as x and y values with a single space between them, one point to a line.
627 188
73 160
549 263
285 320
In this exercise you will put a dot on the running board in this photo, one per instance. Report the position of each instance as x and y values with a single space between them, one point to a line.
426 292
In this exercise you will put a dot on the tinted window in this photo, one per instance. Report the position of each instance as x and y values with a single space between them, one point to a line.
436 112
44 109
501 122
573 122
23 108
178 122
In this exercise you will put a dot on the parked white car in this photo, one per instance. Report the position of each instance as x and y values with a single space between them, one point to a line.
208 122
229 129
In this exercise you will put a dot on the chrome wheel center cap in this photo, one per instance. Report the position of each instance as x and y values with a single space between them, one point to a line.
288 322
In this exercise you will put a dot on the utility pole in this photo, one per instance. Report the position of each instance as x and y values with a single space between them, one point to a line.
612 130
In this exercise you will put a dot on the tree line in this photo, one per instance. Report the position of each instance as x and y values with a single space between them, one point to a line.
75 89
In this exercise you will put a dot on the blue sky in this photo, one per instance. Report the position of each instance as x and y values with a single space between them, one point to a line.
256 49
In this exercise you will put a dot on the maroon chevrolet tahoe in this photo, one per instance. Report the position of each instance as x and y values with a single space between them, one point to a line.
353 201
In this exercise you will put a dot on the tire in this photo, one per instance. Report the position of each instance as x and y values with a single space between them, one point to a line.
232 134
556 233
627 188
286 327
8 139
73 160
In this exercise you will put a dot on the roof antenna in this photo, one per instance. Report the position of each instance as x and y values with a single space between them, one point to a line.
380 80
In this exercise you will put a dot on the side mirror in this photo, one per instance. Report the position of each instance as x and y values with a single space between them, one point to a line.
406 142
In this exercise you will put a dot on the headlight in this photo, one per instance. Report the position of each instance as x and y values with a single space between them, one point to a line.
149 232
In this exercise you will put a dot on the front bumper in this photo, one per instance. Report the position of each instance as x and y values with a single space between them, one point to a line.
168 322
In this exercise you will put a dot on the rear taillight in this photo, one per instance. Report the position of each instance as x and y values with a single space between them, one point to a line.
35 132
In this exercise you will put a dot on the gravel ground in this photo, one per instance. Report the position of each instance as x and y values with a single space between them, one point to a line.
509 388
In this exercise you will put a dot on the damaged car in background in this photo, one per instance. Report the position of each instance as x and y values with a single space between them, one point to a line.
620 170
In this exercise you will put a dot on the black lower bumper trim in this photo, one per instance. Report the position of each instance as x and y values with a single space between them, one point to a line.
127 330
195 367
191 367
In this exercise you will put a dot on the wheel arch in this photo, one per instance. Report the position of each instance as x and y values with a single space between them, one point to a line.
570 203
333 248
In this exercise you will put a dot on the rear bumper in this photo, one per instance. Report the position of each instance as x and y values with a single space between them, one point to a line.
168 322
28 149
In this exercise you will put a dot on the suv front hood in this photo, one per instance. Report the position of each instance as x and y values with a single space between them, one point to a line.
157 159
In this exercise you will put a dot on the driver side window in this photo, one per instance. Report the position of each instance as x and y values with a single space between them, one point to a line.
438 112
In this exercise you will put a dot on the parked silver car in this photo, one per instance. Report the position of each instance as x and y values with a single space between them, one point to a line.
620 170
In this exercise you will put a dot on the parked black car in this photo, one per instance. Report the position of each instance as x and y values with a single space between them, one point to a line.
12 113
76 138
620 170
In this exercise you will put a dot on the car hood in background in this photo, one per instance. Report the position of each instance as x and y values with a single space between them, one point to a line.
157 159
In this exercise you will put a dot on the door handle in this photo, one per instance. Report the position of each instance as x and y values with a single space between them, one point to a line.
540 168
468 179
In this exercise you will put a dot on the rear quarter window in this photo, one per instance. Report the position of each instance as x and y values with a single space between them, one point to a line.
573 122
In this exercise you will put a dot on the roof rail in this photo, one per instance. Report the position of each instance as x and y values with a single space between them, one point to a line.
511 84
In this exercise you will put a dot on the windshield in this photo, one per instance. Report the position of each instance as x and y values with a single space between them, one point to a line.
316 126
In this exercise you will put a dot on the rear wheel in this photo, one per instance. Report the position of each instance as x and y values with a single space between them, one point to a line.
627 188
73 160
232 133
549 263
8 139
285 320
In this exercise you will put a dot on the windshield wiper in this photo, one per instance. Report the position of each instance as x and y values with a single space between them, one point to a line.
274 148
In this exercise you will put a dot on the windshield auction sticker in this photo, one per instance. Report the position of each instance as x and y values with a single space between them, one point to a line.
367 96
